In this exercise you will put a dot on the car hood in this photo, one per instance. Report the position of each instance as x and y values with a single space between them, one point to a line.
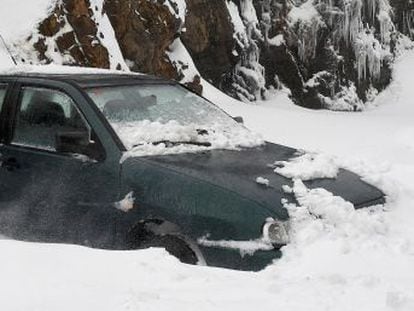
237 171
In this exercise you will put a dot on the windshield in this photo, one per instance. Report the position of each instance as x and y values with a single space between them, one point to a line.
167 118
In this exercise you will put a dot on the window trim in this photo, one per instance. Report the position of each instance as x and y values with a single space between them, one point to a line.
6 87
6 109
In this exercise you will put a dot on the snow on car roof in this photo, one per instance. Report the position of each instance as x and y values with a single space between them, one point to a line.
59 69
77 74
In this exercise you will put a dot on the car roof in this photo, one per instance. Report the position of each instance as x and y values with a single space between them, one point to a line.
84 77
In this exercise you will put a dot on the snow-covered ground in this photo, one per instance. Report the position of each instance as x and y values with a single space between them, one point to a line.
343 260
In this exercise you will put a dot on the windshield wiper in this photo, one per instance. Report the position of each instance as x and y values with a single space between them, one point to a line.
169 143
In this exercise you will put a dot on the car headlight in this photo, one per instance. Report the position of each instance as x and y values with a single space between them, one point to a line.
276 231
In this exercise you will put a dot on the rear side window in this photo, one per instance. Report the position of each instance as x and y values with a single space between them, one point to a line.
42 115
3 89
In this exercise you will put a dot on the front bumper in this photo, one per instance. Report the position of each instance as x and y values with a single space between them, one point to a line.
232 258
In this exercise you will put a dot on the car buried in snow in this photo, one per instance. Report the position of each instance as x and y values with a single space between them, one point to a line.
127 161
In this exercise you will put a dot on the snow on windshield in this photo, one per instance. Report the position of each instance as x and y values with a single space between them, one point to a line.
154 119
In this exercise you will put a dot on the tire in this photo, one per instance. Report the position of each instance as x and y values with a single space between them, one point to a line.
146 235
175 246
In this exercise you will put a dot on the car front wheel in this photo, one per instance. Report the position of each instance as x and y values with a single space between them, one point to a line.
145 236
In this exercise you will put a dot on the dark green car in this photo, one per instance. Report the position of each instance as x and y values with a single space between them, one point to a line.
130 161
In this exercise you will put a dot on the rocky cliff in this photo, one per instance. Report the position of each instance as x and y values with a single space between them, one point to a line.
334 54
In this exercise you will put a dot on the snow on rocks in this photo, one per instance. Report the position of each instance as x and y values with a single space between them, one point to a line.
250 84
277 40
240 32
18 18
177 52
308 166
181 59
305 13
17 21
178 8
346 99
107 36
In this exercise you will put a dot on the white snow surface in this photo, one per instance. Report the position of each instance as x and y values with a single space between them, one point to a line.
338 259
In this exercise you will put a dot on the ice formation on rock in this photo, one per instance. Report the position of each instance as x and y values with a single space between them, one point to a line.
307 22
249 74
356 29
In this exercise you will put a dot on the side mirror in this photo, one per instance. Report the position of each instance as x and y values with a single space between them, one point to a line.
239 120
77 142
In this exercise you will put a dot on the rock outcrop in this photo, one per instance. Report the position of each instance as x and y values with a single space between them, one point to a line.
331 54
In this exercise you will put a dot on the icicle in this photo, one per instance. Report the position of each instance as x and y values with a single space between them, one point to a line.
368 50
368 55
352 21
307 22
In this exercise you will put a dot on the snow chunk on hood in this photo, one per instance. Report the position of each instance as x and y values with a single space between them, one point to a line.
127 203
263 181
308 166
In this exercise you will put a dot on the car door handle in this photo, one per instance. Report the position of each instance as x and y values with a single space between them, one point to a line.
9 164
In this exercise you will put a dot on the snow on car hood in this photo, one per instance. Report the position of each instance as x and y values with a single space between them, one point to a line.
238 171
144 138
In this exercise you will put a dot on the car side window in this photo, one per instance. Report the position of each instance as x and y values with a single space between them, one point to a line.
43 116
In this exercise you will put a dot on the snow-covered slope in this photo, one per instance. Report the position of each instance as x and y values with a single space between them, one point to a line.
341 260
17 20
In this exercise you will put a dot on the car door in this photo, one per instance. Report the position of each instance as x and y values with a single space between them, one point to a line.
55 187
